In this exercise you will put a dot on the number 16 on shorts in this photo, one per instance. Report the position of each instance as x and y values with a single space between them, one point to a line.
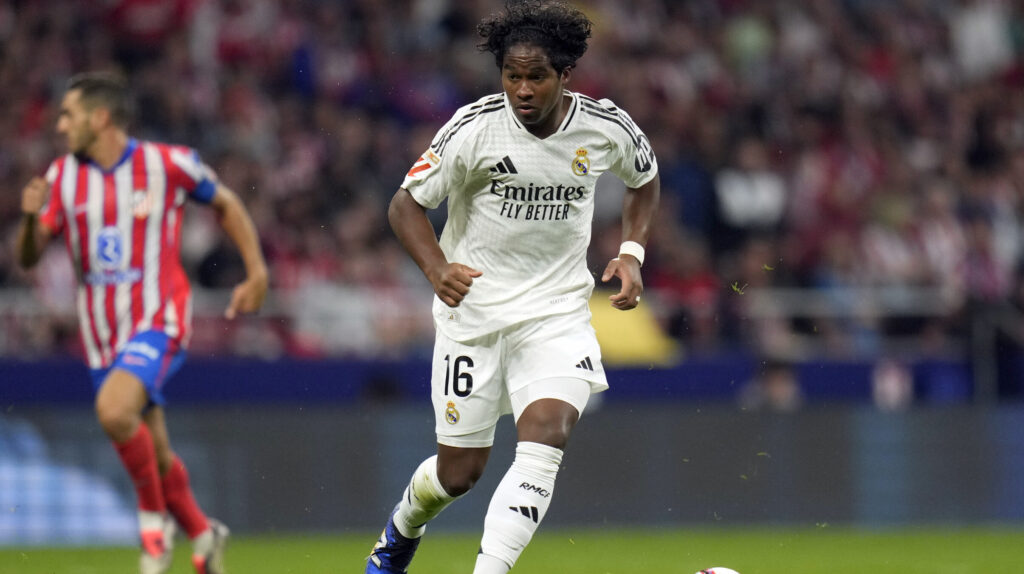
467 385
457 378
451 385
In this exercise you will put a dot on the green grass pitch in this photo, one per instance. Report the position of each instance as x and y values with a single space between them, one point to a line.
783 550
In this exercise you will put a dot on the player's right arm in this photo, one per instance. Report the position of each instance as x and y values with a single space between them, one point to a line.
32 236
408 219
247 296
440 170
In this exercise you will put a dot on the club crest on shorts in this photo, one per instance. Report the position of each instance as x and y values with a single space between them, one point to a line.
450 414
581 164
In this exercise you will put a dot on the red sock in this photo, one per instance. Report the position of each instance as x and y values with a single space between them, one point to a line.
180 501
139 459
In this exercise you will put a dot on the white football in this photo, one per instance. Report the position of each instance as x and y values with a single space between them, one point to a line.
718 570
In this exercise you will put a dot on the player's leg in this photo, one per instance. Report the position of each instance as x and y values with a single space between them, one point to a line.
549 421
130 387
119 404
524 494
436 483
209 536
467 400
553 366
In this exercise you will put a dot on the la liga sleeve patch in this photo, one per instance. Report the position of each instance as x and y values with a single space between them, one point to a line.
429 160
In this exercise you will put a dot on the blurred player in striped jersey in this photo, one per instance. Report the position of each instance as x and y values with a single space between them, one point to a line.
510 275
119 202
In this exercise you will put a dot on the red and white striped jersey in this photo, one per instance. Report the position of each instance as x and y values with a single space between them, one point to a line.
122 228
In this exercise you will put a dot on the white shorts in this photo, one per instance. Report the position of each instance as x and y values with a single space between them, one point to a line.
473 383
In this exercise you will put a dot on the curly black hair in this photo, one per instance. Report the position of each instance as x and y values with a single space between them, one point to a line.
554 26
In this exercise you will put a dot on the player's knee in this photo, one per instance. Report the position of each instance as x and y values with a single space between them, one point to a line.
459 480
550 436
552 432
117 422
457 486
548 422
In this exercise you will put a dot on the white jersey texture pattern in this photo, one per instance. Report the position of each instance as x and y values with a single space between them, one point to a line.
520 208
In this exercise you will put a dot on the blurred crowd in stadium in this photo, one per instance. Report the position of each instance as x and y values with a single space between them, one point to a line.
825 144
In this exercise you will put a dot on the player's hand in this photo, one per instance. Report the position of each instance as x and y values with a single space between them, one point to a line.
627 269
452 281
248 296
33 197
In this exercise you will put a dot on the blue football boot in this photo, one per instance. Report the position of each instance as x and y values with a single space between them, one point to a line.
393 552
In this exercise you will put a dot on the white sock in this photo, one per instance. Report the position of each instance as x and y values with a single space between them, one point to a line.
490 565
422 500
149 520
203 543
517 507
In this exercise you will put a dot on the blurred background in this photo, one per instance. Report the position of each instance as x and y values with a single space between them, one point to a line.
833 317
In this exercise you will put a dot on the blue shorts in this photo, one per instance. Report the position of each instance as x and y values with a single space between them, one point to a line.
151 356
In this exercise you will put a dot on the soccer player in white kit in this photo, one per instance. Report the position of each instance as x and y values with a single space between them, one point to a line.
510 276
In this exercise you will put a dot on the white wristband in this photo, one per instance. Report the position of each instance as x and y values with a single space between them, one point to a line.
633 248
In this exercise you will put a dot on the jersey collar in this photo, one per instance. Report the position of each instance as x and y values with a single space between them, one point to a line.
566 121
129 149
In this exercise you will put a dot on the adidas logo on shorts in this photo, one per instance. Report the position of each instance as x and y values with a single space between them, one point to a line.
585 364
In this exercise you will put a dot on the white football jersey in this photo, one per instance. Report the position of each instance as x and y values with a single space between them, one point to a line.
520 207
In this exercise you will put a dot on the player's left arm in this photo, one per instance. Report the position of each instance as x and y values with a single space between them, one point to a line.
248 295
638 209
33 236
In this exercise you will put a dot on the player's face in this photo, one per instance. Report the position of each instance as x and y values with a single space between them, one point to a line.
75 124
534 88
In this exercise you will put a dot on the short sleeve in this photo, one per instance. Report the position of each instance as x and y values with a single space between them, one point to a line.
432 176
634 161
199 180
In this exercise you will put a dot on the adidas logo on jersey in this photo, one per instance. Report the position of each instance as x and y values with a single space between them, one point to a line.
521 200
585 364
505 166
527 511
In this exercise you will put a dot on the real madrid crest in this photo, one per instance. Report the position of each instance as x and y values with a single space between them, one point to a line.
450 414
581 164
